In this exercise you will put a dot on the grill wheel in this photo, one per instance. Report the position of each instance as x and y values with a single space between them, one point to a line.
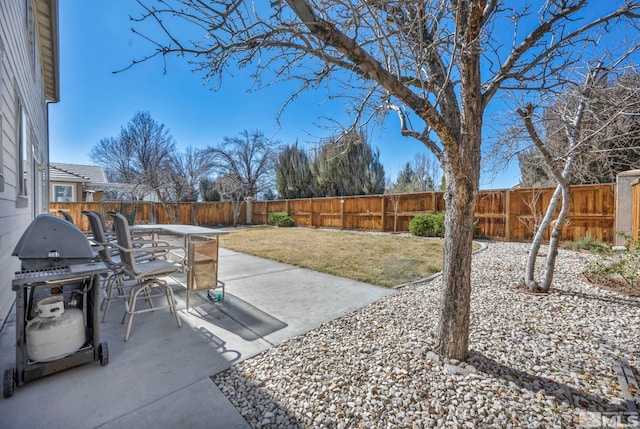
9 384
103 353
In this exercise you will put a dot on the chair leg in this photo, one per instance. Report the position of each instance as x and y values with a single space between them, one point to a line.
105 287
130 308
145 289
115 280
172 304
106 301
148 298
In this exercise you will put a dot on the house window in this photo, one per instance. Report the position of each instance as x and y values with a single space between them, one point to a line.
63 193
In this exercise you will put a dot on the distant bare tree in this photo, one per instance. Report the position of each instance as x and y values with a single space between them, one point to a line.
395 201
249 159
419 175
532 223
140 156
188 169
427 170
433 63
234 189
612 121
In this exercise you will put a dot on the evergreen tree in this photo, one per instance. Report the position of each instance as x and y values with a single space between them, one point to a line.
348 166
406 180
294 178
209 190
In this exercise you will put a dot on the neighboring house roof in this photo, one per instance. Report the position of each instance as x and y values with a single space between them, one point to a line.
93 179
57 174
111 187
92 174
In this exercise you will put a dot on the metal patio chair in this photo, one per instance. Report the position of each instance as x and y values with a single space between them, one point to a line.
148 283
114 285
67 216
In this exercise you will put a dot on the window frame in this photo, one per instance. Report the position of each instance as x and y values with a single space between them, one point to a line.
62 185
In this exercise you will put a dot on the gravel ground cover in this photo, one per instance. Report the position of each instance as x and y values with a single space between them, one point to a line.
535 361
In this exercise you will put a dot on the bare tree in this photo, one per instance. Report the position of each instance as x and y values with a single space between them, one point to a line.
614 100
419 175
423 61
234 189
189 168
139 157
427 171
395 200
578 118
249 159
145 158
533 202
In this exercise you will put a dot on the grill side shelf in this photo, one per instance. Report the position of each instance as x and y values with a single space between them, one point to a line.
57 274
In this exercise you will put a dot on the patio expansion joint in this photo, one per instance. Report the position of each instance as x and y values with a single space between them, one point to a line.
242 277
156 400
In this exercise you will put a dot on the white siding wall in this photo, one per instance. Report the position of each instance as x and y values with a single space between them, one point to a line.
21 84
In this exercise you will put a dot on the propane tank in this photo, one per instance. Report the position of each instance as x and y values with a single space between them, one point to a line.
56 332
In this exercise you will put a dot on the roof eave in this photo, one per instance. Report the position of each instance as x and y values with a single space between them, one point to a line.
47 23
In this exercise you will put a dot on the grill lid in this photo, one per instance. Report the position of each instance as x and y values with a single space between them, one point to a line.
50 237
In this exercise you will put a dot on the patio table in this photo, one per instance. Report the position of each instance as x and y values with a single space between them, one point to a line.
206 265
186 231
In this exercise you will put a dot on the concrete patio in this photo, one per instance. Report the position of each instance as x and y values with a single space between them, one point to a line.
161 377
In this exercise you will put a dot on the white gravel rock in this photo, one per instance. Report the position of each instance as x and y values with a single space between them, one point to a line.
535 361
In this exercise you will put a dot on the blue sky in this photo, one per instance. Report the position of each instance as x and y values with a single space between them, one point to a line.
95 103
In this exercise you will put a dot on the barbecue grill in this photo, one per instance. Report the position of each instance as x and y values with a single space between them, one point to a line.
57 291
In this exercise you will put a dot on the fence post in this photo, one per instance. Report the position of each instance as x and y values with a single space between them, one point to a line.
384 214
507 215
341 213
266 209
249 209
624 205
311 212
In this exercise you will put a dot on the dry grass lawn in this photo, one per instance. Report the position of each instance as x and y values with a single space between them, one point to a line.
380 259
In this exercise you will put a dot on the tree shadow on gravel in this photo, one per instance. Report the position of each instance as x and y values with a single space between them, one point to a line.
570 395
609 299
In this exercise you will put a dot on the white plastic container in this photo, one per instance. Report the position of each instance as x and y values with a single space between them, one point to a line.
57 332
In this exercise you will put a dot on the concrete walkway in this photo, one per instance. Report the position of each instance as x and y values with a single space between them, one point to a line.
160 378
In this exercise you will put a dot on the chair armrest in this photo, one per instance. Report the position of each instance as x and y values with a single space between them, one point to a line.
156 250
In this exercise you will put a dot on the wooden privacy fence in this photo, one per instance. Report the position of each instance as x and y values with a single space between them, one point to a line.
510 215
150 212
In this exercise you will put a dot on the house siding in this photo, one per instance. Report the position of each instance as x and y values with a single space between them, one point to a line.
21 84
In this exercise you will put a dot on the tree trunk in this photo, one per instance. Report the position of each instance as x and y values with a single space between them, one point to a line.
453 328
554 242
236 206
530 274
561 194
